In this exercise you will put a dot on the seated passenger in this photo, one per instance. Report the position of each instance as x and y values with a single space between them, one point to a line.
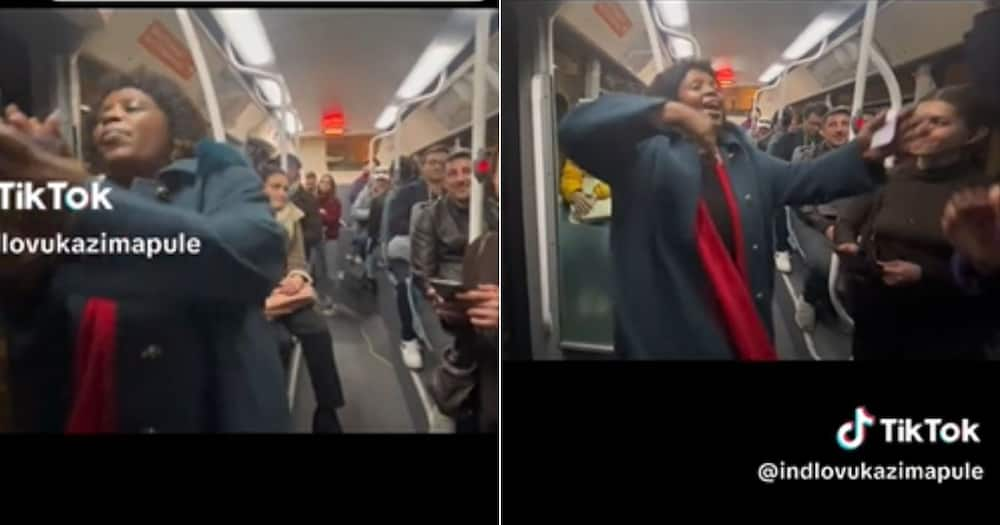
125 343
697 200
361 211
813 226
906 303
571 185
468 376
419 183
291 304
440 236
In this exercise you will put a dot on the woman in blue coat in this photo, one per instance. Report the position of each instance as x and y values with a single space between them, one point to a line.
132 343
691 237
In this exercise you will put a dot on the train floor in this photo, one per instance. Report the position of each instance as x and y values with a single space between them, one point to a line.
381 394
829 341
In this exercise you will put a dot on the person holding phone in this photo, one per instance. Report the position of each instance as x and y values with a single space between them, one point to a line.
441 232
467 381
906 304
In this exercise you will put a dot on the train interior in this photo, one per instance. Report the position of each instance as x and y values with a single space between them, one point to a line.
767 56
330 87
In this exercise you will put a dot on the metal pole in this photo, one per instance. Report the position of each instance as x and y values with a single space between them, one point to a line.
479 120
861 75
204 75
654 38
860 78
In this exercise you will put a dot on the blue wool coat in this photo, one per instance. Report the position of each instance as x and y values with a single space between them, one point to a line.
194 352
663 304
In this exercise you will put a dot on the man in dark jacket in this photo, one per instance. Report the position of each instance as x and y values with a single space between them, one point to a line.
312 223
441 235
399 210
425 188
442 230
813 224
801 130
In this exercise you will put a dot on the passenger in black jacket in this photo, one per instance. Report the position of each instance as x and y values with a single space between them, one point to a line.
399 210
422 189
312 223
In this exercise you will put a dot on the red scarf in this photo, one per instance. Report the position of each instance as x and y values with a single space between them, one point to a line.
94 405
744 328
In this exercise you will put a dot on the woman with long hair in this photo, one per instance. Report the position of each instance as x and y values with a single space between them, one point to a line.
291 305
906 304
330 210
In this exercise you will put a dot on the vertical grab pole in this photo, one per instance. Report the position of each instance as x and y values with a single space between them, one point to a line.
860 78
861 75
204 75
479 120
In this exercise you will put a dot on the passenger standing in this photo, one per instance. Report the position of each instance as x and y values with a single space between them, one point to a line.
400 211
692 233
906 304
122 343
359 184
811 120
782 146
291 304
813 225
330 209
304 198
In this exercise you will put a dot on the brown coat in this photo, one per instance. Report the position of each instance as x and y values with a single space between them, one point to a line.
290 219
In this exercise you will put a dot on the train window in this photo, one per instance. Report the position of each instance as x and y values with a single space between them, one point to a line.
584 258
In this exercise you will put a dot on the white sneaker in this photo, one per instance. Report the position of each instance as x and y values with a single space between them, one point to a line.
783 262
805 316
412 357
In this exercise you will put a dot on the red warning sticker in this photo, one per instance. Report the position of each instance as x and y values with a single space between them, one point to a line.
162 44
616 17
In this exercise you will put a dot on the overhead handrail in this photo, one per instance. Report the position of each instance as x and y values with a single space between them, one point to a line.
551 41
781 77
860 78
283 108
410 102
675 33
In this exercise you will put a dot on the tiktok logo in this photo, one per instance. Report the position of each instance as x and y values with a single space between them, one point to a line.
862 419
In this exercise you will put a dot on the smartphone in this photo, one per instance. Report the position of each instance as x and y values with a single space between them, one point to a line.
447 288
884 135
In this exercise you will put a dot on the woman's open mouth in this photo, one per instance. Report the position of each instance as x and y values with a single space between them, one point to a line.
114 137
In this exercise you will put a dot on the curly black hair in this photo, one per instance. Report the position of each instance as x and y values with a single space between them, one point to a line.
186 125
667 84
